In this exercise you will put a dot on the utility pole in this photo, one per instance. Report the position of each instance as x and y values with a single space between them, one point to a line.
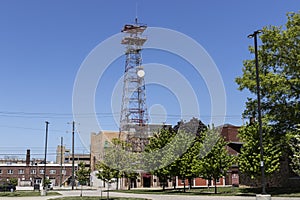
73 168
61 159
45 159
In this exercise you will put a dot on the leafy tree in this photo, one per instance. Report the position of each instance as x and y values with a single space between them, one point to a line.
106 174
279 72
279 68
46 182
249 158
156 161
83 175
122 162
13 181
170 152
294 143
190 138
216 160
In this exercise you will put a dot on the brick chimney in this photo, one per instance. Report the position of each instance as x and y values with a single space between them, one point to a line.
28 157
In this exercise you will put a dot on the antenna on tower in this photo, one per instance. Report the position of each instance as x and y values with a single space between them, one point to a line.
136 13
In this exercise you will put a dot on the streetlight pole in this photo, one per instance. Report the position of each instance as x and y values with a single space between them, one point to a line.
254 35
45 159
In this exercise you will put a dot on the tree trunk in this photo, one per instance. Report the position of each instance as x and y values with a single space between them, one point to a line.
164 183
184 184
215 183
117 183
174 183
190 182
129 183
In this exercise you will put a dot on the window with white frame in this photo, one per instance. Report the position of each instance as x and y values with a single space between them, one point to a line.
64 172
32 171
21 171
41 171
10 171
52 171
0 171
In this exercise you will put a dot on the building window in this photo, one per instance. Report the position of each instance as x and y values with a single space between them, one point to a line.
10 171
0 171
52 171
63 172
218 180
33 171
21 171
41 171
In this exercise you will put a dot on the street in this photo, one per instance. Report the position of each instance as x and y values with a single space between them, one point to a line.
148 196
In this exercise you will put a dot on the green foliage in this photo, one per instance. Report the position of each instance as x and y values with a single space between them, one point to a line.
46 182
294 143
214 159
13 181
83 174
279 72
189 150
279 67
249 159
106 173
170 152
158 157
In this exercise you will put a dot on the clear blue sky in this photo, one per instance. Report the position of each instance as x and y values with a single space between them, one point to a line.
43 43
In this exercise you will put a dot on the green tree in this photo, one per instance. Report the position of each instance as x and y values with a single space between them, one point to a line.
213 160
171 151
46 182
83 175
294 143
249 158
13 181
106 174
191 135
279 70
156 156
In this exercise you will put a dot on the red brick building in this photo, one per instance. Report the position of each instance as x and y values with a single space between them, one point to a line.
30 172
230 134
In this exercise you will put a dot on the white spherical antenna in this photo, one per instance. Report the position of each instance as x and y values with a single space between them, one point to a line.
141 73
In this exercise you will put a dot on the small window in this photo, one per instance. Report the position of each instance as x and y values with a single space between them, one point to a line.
33 171
0 171
217 180
21 171
10 171
63 172
52 171
41 171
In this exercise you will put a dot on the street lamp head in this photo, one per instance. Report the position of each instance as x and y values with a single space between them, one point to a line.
254 34
250 36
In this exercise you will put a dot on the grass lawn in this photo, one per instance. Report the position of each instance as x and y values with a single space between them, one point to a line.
26 194
96 198
223 191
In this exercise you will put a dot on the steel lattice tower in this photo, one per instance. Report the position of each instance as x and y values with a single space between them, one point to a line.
134 115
